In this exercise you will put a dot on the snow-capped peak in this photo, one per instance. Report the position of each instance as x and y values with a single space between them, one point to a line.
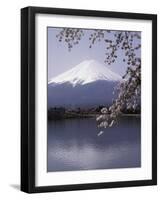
86 72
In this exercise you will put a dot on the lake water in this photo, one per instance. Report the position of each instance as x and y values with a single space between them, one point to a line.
73 144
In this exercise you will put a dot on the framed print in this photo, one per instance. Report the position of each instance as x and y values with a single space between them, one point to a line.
88 99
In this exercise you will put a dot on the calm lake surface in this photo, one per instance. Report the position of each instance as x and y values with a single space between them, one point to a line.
73 144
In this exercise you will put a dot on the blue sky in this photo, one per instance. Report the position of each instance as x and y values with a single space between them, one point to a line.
61 60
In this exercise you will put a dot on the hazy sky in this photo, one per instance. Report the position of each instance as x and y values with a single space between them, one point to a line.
61 60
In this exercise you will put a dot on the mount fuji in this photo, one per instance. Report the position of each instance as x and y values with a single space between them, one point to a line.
87 84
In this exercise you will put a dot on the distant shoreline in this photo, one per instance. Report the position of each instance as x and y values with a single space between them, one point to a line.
131 115
80 116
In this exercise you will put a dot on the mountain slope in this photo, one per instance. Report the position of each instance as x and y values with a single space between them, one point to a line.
86 72
88 84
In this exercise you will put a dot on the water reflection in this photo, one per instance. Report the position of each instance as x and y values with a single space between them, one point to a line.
74 145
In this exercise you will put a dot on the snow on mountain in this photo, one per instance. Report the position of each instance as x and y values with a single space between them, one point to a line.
87 84
86 72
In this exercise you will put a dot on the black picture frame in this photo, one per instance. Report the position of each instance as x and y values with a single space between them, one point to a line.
28 98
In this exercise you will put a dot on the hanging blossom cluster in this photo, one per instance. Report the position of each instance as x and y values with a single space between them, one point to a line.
71 36
129 90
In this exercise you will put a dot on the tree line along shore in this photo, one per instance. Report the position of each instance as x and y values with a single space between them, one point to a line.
58 113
